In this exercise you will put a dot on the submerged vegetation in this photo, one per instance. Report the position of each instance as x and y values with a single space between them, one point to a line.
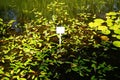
30 49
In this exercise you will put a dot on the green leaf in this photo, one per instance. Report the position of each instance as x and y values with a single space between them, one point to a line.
99 21
1 71
5 78
92 25
116 43
1 19
102 28
117 31
22 79
10 22
118 36
26 49
73 65
106 32
93 77
93 65
111 13
75 69
114 27
109 22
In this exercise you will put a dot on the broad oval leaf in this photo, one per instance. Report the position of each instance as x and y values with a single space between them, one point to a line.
92 25
106 32
118 36
111 13
117 31
99 21
114 27
116 43
102 28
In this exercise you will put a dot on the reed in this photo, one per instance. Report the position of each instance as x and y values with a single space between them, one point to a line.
74 6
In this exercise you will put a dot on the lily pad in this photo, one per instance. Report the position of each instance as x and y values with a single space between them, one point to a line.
106 32
111 13
92 25
102 28
114 27
116 43
118 36
117 31
99 21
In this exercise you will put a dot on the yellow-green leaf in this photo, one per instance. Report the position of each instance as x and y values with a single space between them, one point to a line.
117 31
116 43
92 25
118 36
22 79
114 27
99 21
106 32
102 28
111 13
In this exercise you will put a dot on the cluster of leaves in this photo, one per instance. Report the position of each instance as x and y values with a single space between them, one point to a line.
110 27
4 27
36 54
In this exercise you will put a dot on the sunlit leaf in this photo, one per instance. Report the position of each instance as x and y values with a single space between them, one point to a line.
6 78
1 19
102 28
11 21
26 49
114 27
92 25
106 32
118 36
116 43
117 31
99 21
111 13
43 73
1 71
22 79
109 22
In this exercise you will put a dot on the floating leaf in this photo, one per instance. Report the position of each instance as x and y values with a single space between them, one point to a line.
117 31
114 27
116 43
109 22
111 13
99 21
114 35
102 28
118 36
92 25
106 32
